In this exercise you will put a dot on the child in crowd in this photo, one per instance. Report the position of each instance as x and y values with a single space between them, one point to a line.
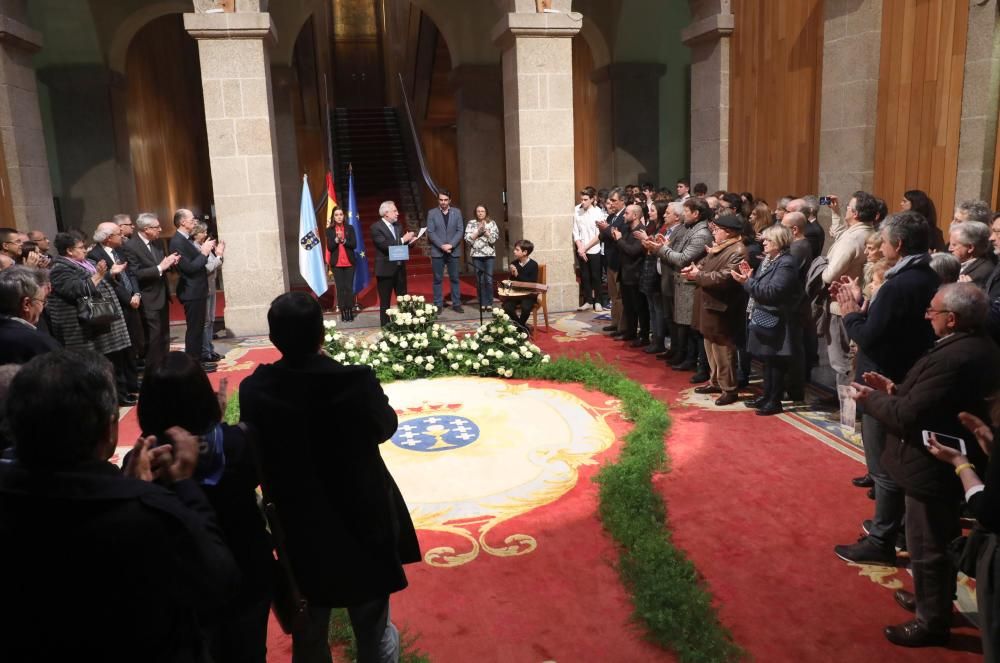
522 269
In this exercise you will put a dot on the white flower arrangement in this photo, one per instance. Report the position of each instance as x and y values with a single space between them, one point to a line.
414 345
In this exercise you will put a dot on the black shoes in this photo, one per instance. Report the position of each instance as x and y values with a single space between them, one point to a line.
210 358
871 493
768 409
754 403
727 398
127 400
209 366
866 551
458 309
708 389
863 482
906 600
915 634
699 377
610 328
686 365
639 342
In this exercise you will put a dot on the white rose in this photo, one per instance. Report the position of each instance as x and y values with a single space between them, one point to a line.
486 362
383 346
403 344
339 356
545 359
498 354
328 338
475 365
454 366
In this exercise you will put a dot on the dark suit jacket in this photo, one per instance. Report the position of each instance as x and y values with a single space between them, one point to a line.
445 231
19 343
610 246
980 269
193 283
893 334
144 270
121 284
956 375
778 291
350 244
64 527
347 529
383 239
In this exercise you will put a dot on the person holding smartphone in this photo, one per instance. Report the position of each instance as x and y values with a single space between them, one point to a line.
956 375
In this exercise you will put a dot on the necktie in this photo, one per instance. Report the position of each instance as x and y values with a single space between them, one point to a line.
126 279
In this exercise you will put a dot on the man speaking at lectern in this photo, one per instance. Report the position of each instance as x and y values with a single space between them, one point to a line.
389 274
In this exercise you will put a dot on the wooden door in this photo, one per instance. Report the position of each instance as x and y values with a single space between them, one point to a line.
357 55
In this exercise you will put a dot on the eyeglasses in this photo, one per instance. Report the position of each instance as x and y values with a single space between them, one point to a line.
126 224
935 311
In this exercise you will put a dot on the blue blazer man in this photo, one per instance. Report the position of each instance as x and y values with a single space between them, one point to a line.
445 229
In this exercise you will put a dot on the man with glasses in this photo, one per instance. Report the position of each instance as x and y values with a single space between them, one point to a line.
958 374
41 240
124 222
11 242
148 266
22 299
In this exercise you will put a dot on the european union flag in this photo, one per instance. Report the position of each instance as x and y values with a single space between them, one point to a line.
361 258
311 265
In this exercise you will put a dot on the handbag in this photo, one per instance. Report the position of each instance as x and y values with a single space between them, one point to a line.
290 606
764 318
965 551
95 311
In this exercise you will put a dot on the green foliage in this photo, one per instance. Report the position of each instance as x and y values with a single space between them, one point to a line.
667 594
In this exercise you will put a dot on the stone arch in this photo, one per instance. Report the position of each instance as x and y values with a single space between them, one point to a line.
130 26
289 28
599 49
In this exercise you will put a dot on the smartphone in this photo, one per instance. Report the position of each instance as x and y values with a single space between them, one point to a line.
951 441
825 200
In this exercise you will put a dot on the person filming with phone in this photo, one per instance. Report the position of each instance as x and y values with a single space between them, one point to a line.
956 375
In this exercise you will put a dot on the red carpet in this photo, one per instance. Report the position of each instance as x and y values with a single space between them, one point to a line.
755 503
758 506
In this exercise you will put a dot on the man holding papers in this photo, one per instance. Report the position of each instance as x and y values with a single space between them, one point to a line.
390 273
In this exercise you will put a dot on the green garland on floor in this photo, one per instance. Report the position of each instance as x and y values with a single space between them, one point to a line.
667 594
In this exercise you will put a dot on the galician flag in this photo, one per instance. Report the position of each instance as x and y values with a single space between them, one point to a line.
311 264
361 259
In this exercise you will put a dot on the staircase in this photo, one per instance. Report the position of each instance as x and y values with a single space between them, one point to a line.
370 140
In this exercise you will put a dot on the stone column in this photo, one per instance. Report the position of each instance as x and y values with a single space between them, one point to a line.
980 92
708 38
849 100
480 138
239 116
27 165
538 125
284 86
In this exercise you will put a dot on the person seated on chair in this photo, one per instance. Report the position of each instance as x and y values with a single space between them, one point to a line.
522 269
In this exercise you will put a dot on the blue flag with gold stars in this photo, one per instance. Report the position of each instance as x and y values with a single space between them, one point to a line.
360 257
311 265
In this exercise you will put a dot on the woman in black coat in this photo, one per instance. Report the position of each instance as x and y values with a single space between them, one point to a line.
775 292
227 473
341 242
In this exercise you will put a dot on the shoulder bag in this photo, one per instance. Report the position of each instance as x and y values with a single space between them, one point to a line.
95 311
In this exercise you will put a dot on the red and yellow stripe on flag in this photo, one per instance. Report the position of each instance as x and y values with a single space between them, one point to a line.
331 198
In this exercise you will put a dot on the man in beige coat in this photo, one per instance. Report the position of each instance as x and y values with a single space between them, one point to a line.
846 258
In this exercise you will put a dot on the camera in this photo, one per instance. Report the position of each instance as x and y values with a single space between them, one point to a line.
825 200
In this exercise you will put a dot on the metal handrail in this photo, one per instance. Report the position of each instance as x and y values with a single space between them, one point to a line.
428 180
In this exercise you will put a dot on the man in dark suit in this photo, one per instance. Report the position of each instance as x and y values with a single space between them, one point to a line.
148 267
108 240
614 220
445 228
957 375
390 275
22 299
969 241
332 490
192 288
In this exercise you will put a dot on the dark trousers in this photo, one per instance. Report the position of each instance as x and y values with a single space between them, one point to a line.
930 527
386 285
775 369
194 315
511 306
889 499
796 381
369 621
438 265
118 359
642 309
630 308
156 326
241 637
590 278
343 277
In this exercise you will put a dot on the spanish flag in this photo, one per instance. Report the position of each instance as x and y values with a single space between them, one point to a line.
331 198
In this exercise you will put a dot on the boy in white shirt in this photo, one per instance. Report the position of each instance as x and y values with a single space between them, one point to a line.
588 248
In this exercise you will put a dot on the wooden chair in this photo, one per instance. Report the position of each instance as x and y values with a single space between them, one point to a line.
541 303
